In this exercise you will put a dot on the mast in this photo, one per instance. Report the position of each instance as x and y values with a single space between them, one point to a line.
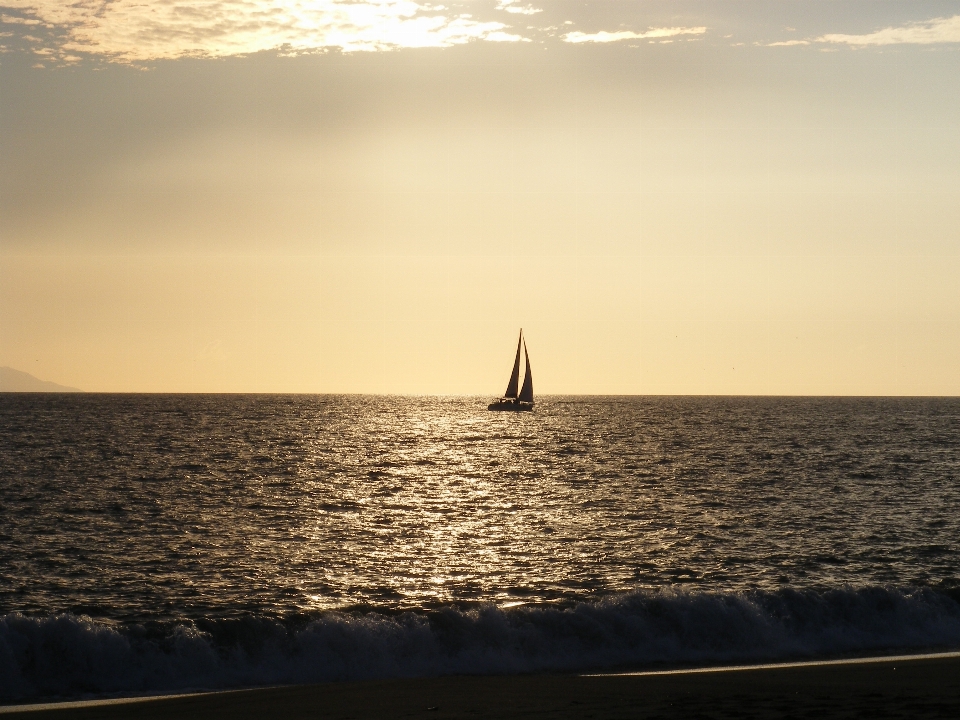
515 375
526 392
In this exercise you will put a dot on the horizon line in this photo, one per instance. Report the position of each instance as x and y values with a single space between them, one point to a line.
473 395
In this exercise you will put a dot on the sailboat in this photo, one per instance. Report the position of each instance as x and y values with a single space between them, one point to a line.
512 400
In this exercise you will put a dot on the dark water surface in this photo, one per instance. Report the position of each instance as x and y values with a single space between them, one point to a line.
170 541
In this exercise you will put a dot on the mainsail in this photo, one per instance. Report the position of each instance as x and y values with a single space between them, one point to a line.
515 376
526 392
512 400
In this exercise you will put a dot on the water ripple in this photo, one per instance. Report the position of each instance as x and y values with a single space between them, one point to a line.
164 506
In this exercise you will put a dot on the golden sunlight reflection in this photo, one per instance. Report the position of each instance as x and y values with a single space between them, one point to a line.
431 519
451 504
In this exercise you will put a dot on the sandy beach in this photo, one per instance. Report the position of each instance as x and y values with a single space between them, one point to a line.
907 687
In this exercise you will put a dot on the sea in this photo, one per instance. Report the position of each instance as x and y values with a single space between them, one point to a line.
163 543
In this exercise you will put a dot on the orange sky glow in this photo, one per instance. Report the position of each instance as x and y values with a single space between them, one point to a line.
293 196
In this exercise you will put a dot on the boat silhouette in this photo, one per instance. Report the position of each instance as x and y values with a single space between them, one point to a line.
513 401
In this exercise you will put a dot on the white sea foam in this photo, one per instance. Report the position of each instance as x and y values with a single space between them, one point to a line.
71 656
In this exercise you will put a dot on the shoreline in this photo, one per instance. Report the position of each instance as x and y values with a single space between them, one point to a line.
867 660
921 685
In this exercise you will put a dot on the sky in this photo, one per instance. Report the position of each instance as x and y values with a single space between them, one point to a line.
671 197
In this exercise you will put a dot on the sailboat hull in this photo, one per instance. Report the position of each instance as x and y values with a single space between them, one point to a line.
510 406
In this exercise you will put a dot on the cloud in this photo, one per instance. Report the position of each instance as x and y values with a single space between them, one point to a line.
14 20
788 43
133 30
504 37
511 7
938 30
605 37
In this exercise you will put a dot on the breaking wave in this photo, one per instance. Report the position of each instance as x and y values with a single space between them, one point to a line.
71 656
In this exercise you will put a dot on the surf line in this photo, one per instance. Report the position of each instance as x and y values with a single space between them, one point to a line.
128 699
774 666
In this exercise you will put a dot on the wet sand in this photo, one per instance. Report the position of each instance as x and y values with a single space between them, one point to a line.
919 687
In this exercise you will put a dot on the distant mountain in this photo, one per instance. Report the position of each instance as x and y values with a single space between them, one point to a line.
18 381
